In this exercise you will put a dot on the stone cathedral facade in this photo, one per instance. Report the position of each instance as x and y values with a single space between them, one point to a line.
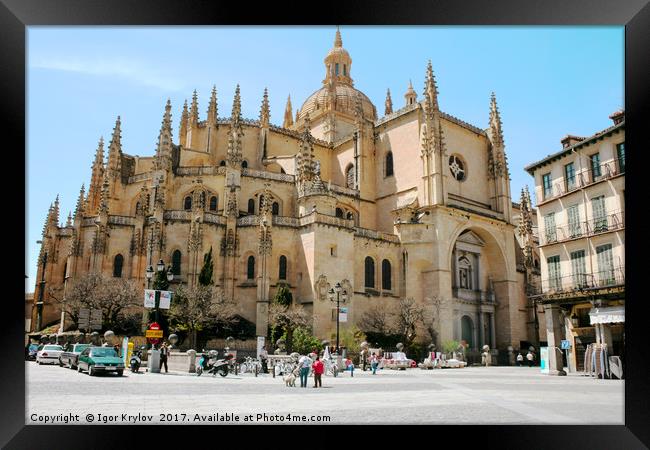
413 204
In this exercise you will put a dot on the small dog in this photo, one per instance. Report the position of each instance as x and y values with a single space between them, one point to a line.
290 378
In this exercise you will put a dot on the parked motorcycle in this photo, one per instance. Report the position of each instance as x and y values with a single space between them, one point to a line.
222 366
136 360
205 362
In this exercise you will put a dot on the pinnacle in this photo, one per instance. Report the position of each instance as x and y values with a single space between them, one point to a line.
236 105
338 42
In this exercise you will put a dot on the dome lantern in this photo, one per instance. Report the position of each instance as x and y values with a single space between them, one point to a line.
338 63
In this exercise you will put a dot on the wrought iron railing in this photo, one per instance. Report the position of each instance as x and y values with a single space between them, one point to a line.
578 282
584 178
609 222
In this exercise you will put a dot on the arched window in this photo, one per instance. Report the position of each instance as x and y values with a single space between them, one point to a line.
339 212
467 330
176 262
137 207
117 266
65 270
275 209
244 164
389 164
370 272
349 176
345 72
251 206
283 268
187 204
213 203
385 275
250 268
336 70
222 163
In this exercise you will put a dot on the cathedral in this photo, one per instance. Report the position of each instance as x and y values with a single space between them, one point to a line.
413 204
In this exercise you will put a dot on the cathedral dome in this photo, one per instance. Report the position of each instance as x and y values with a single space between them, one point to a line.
342 97
337 93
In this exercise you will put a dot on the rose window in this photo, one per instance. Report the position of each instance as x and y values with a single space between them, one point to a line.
457 167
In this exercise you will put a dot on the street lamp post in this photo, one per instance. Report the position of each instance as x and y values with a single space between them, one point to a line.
338 294
160 267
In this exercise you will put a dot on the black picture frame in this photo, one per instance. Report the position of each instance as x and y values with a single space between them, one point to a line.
16 15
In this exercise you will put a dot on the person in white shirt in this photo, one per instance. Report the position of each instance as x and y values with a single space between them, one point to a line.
305 364
530 359
520 359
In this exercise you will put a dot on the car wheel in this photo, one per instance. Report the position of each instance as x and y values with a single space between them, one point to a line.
120 373
91 372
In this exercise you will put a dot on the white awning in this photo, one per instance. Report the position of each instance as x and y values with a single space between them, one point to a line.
613 314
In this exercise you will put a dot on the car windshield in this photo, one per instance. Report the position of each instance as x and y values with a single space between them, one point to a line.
103 352
81 347
52 347
33 347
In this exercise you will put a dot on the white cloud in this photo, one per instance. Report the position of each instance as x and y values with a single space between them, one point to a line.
130 70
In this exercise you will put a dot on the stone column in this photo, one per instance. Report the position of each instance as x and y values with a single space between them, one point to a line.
493 340
553 337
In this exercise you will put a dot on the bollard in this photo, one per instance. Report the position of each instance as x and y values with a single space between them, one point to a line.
192 360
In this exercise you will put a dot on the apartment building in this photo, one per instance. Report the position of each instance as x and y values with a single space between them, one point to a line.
580 198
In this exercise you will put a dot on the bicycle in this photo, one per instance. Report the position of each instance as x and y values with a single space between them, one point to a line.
250 365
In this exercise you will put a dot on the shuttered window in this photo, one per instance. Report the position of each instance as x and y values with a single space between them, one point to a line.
574 221
549 228
605 265
599 214
578 268
554 272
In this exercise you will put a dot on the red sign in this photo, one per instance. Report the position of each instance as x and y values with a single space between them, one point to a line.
154 326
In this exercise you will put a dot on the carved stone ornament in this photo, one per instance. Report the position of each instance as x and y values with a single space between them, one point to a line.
321 287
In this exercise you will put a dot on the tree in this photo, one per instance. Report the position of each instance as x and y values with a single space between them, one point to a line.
205 277
303 341
198 306
375 320
400 321
113 296
408 315
432 317
285 315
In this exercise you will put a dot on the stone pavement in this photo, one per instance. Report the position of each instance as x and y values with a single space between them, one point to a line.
475 395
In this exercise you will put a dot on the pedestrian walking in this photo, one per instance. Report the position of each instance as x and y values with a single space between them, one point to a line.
520 359
264 355
374 362
363 358
164 352
319 368
530 358
304 363
349 365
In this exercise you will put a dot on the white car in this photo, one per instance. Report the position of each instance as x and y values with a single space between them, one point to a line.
49 354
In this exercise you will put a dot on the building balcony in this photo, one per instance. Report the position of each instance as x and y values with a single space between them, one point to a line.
578 285
583 179
611 222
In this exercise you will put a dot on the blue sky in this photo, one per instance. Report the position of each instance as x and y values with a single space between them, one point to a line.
549 82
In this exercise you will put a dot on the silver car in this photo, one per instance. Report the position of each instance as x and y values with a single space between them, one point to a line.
49 354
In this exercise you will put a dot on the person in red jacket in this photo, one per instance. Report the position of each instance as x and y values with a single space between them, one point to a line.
319 368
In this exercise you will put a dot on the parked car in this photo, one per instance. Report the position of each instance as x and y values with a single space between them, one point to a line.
49 354
100 359
30 355
70 358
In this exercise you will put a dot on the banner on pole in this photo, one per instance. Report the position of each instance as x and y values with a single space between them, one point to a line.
149 298
165 299
343 315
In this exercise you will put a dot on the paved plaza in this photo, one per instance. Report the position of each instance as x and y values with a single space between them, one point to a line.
475 395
